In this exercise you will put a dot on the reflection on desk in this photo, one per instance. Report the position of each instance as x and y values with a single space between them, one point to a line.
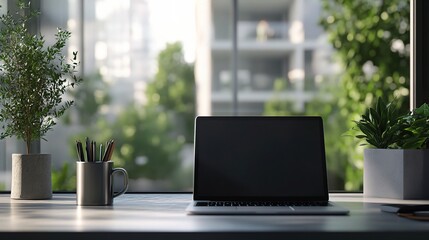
162 216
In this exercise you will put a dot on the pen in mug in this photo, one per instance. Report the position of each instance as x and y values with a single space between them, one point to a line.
103 159
82 155
88 153
101 152
94 151
111 151
78 152
108 152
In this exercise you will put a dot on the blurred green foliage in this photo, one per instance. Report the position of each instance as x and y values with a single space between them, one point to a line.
146 145
277 107
148 138
371 40
173 89
64 179
89 98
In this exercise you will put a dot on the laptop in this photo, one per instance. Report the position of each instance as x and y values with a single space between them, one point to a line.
260 165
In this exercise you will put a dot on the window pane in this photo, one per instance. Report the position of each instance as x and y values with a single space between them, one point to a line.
291 64
150 66
139 89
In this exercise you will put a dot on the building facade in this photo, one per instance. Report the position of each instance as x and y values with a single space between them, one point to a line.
277 40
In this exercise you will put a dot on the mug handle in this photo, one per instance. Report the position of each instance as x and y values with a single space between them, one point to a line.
125 187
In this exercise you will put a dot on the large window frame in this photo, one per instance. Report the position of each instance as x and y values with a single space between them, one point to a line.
419 53
419 85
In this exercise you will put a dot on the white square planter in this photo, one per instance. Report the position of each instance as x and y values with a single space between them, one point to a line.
396 173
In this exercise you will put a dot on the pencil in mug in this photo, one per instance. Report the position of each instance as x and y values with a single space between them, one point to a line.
106 150
82 154
103 159
101 152
79 159
109 151
88 150
94 151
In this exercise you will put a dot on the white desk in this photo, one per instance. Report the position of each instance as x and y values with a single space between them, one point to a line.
162 216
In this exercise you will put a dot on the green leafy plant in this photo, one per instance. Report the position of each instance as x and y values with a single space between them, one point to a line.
384 127
379 126
415 129
33 77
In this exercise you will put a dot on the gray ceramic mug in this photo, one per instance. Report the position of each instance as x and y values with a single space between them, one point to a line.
95 183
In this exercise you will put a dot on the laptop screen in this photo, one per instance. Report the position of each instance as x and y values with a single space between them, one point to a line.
259 158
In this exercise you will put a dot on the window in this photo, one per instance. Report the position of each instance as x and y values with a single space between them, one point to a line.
149 69
420 53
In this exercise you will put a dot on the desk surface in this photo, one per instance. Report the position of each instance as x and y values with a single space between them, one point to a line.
162 216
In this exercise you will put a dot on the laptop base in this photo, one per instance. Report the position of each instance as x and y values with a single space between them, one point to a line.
330 209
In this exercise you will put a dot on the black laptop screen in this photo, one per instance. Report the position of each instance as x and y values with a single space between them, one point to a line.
255 158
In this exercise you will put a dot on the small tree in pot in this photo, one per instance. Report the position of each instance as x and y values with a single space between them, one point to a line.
33 79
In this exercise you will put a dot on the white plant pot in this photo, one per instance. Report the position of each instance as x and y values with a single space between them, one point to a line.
31 176
396 173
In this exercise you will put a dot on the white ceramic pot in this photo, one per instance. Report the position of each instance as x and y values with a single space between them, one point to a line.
396 173
31 176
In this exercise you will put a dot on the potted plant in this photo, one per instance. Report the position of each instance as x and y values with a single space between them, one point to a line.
33 79
397 163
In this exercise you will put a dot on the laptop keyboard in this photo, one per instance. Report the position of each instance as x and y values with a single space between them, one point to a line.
257 204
